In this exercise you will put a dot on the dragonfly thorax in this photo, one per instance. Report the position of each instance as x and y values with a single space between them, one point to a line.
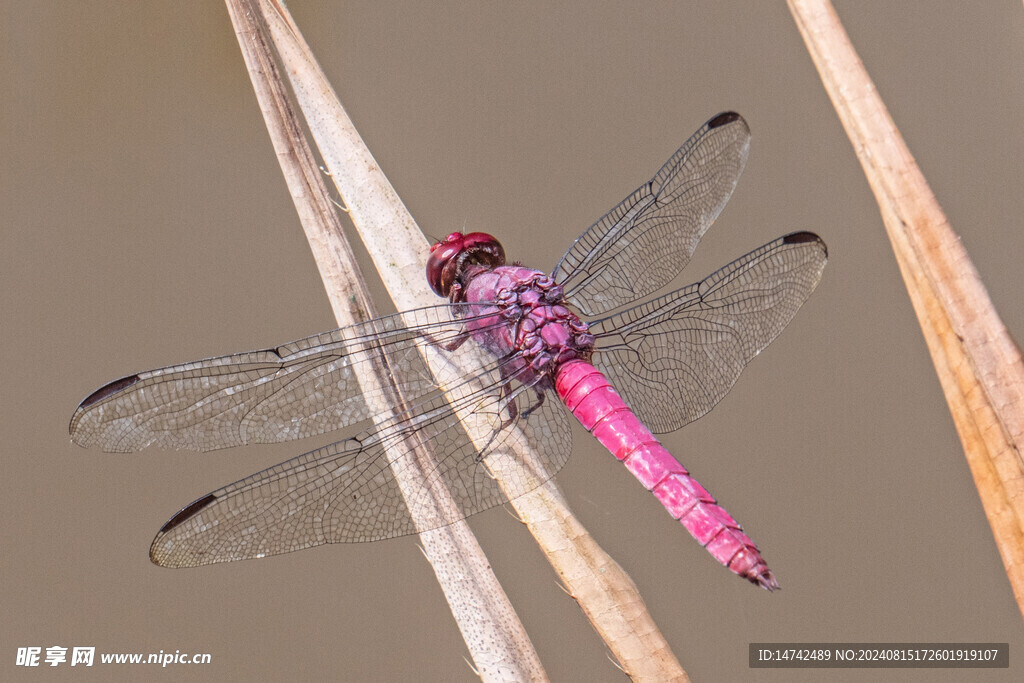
521 311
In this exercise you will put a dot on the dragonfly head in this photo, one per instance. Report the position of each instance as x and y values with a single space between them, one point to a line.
450 258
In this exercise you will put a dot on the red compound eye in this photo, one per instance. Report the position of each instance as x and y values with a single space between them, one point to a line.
450 256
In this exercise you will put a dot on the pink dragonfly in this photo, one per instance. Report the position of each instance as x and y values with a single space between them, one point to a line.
669 360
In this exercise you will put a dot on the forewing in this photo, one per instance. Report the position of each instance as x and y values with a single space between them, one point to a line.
675 357
300 389
643 243
348 492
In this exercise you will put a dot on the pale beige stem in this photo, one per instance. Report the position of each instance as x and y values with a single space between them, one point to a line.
979 365
399 251
499 645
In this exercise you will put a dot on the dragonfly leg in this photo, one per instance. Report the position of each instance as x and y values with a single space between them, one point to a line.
541 397
508 405
452 345
509 397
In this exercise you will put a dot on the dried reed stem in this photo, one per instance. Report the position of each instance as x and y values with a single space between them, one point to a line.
979 365
499 645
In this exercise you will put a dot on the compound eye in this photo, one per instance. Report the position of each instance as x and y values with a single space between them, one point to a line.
441 255
449 258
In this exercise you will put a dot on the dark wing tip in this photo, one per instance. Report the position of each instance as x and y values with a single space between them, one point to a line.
108 390
804 236
724 118
187 512
95 397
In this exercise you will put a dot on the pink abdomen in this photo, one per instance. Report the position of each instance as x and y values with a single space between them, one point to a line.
600 409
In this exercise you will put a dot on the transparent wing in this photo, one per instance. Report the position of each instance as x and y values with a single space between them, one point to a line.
300 389
643 243
347 491
675 357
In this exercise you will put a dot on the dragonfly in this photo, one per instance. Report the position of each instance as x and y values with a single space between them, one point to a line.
527 350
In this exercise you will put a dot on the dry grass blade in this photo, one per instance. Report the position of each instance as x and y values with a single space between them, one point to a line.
498 642
604 591
978 363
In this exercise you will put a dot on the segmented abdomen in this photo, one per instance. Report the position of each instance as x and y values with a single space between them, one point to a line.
600 409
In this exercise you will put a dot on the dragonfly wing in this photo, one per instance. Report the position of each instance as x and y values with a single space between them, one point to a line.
643 243
675 357
348 491
300 389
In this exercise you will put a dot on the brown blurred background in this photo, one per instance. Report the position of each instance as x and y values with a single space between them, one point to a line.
145 222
